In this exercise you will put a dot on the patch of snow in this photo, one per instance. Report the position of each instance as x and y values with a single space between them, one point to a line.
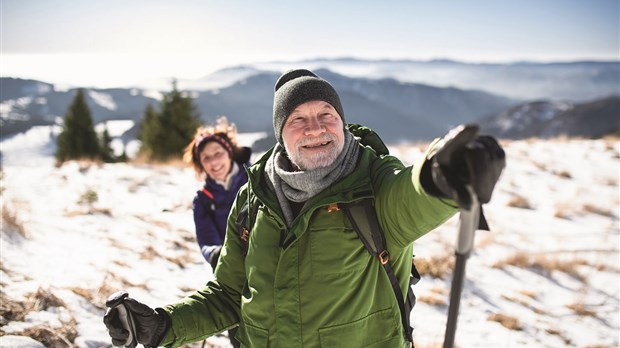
138 235
149 93
116 128
102 99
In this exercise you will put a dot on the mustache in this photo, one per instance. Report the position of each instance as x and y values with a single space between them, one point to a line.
323 138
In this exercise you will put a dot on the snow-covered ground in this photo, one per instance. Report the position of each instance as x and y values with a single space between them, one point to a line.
546 275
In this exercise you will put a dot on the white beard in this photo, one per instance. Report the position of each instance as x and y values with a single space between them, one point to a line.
310 161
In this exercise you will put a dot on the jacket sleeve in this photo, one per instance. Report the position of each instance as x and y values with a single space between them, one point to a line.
206 232
215 307
406 212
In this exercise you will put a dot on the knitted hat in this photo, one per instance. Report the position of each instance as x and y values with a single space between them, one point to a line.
296 87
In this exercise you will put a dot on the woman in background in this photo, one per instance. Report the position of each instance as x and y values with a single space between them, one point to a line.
218 161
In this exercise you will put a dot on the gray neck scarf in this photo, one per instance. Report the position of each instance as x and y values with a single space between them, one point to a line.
299 186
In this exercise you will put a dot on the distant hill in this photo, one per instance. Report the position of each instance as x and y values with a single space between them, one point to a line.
577 81
396 110
400 99
25 103
546 119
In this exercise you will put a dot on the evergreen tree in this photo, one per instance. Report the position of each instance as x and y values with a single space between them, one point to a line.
150 133
78 138
166 134
107 153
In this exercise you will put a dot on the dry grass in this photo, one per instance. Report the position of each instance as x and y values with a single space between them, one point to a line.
506 321
97 297
9 217
563 211
439 266
561 335
149 253
433 301
529 294
41 300
518 201
581 310
430 345
543 263
562 174
63 336
591 208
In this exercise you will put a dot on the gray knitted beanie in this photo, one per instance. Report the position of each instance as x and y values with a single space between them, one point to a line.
296 87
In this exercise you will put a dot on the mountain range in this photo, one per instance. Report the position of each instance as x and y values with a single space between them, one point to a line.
379 94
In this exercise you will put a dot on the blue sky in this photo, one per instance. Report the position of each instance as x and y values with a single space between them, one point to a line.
110 41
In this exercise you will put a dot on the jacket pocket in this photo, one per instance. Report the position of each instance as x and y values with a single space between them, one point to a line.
379 329
252 336
335 246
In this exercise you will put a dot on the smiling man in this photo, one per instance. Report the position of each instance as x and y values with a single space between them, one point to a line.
303 278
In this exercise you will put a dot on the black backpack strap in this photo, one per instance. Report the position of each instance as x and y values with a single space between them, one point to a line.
363 217
245 221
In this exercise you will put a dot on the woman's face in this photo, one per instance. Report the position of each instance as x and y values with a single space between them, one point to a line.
215 161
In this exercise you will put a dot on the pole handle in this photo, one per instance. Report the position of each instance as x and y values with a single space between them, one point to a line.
468 223
116 300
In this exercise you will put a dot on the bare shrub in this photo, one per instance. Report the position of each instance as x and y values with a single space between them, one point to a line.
9 217
518 201
543 263
506 321
439 266
581 310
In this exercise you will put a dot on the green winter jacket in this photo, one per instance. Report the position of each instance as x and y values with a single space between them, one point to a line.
315 284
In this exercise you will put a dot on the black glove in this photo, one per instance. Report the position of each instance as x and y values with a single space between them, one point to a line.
215 255
151 325
463 158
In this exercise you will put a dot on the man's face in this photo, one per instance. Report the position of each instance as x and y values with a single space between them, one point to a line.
313 135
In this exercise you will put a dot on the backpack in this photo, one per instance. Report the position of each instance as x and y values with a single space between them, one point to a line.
363 218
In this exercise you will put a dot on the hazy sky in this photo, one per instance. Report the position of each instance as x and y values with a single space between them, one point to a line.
114 42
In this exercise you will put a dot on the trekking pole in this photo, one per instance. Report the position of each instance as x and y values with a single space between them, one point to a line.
468 223
116 300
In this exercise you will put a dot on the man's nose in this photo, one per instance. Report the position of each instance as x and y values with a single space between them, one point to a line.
314 126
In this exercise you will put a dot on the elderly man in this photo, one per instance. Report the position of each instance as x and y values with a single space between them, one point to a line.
303 278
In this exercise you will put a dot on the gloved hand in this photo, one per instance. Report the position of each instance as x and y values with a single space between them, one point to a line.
463 158
215 255
151 325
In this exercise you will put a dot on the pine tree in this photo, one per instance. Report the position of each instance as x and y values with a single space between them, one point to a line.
78 138
150 132
164 135
107 153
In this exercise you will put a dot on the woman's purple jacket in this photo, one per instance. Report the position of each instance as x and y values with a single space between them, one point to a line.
211 215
